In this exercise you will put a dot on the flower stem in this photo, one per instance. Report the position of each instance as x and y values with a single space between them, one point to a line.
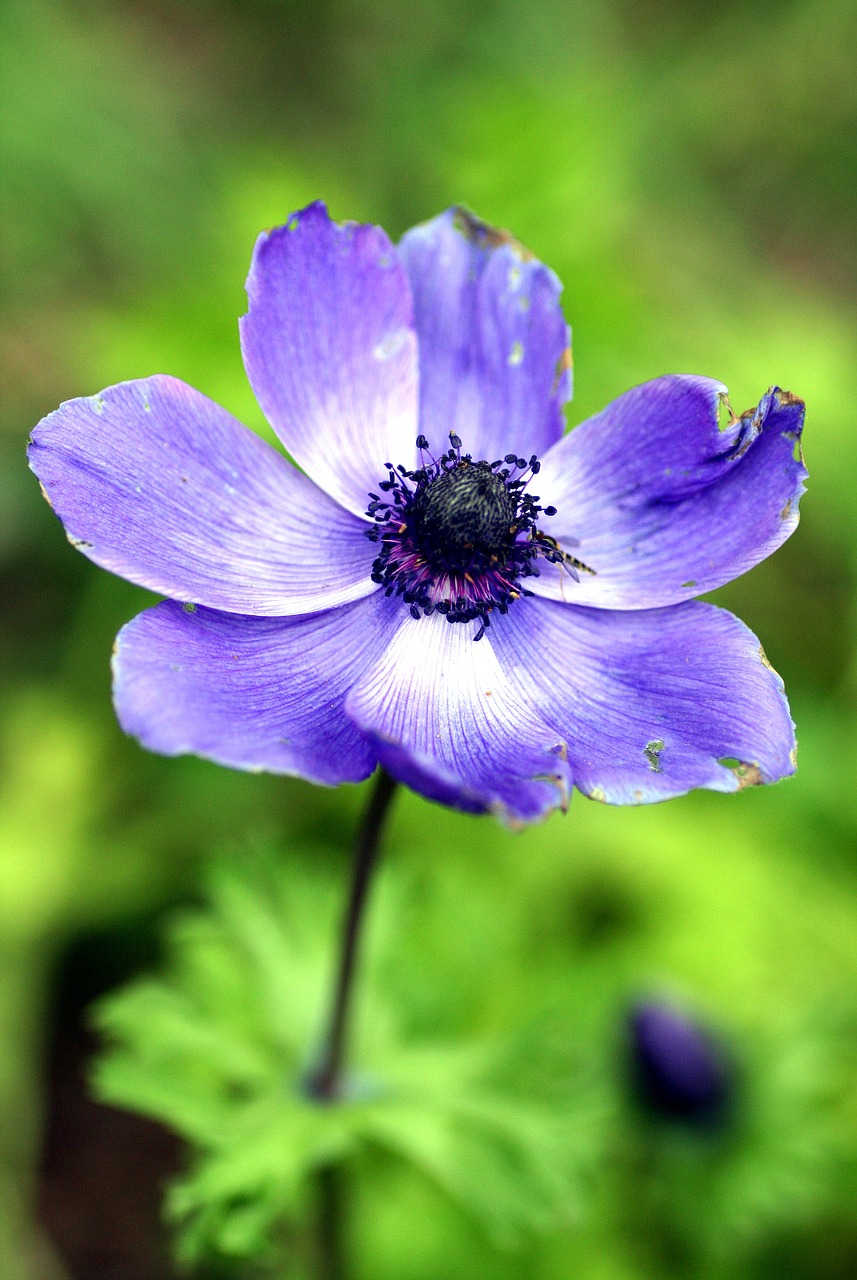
331 1259
325 1084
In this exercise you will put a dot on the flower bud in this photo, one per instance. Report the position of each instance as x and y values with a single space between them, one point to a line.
678 1071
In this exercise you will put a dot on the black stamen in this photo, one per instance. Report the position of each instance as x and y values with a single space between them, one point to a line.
465 509
457 536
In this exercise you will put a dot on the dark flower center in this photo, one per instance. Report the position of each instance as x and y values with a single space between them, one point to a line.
467 508
458 536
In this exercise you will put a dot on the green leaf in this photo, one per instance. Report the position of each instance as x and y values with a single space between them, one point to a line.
218 1049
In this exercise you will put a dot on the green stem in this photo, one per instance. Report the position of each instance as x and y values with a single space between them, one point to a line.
325 1084
331 1258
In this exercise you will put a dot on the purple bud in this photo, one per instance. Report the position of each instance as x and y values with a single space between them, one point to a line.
678 1070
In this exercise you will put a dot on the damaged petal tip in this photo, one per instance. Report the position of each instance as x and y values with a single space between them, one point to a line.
726 406
485 236
766 662
786 398
747 774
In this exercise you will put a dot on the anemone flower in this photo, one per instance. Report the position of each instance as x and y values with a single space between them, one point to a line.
439 581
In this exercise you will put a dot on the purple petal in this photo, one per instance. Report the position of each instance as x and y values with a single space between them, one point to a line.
664 505
652 703
446 720
155 482
495 361
331 353
251 693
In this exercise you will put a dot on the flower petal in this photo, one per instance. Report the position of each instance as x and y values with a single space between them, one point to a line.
661 503
330 351
251 693
156 482
654 702
495 360
445 719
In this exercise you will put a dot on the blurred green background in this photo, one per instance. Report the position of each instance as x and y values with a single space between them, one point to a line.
689 170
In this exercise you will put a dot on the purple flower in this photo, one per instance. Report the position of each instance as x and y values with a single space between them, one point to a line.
448 586
678 1071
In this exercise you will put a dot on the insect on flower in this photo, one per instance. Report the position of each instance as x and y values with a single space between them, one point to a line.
449 586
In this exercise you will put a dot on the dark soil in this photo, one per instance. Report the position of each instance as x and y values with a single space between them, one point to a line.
102 1171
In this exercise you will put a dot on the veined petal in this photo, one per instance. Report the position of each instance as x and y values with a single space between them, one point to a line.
252 693
651 703
495 356
447 720
661 503
156 482
330 351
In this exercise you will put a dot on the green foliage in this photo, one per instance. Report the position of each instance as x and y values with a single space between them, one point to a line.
526 1126
704 1200
218 1050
